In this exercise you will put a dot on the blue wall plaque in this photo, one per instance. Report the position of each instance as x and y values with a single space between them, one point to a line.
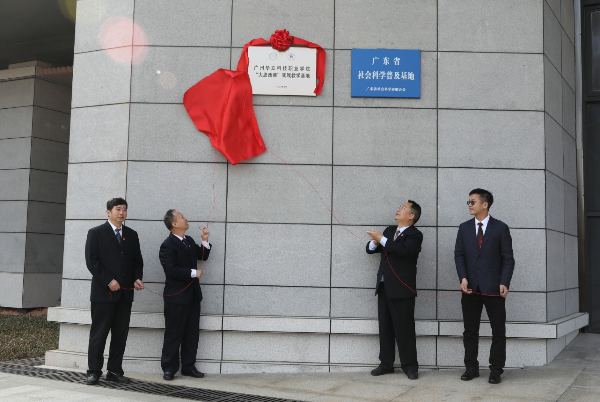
386 73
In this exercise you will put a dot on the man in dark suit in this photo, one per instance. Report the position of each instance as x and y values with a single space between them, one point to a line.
484 262
113 256
179 255
399 247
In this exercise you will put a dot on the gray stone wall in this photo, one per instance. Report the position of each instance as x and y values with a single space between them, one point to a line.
34 138
286 288
561 176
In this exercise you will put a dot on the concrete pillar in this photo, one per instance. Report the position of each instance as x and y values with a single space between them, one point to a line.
35 106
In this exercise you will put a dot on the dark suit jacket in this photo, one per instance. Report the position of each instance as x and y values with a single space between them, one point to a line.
403 255
490 266
107 260
177 262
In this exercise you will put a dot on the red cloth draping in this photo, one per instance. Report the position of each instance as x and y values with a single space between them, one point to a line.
220 106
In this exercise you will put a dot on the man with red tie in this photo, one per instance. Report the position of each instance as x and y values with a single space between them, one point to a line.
484 262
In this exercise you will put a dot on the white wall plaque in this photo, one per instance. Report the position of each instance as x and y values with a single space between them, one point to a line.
291 72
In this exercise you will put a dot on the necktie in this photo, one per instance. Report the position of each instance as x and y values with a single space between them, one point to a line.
119 238
397 234
480 235
184 243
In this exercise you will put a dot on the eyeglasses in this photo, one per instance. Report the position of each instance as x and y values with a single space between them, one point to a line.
471 203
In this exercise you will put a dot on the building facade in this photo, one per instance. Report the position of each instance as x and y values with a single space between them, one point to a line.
35 106
287 288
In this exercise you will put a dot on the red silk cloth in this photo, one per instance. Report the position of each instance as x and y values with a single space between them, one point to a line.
220 105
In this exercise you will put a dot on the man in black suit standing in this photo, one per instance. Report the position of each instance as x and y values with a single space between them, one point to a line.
179 255
484 262
113 256
399 247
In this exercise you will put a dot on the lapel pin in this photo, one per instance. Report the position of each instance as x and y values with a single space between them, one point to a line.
123 239
402 234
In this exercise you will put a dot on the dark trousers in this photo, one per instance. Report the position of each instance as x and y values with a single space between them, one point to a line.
472 306
113 317
397 325
182 323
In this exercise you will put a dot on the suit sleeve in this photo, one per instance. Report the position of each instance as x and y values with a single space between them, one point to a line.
459 256
410 246
92 259
168 260
203 252
377 250
508 260
138 261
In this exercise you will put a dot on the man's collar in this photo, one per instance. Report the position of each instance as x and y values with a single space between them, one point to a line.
402 229
113 226
485 221
180 238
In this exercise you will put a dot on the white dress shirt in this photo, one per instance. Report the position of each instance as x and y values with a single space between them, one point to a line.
483 227
114 228
204 243
383 241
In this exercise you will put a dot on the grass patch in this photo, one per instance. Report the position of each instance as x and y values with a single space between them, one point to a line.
23 337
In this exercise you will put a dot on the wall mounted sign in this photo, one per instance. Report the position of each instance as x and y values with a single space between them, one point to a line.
386 73
220 104
289 72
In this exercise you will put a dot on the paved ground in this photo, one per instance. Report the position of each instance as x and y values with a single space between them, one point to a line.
573 376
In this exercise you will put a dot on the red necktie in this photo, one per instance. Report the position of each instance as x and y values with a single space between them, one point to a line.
480 235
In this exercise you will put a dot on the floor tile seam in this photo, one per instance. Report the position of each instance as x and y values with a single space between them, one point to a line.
402 393
569 387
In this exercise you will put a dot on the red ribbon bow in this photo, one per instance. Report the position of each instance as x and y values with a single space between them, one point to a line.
281 40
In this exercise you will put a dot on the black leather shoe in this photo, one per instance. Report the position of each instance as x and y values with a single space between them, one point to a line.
495 377
470 374
412 374
92 379
381 371
168 376
118 378
194 373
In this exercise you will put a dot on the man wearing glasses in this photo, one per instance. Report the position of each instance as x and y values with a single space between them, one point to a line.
484 262
399 247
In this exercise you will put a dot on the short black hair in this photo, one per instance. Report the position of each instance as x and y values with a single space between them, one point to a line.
110 204
169 218
484 196
416 210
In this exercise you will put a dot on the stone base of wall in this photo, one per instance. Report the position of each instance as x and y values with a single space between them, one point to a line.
265 346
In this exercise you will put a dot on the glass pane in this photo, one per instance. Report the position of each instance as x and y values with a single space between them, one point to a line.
595 71
592 155
593 268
